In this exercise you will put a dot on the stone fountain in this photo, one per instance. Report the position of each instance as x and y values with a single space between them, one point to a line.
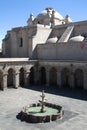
41 112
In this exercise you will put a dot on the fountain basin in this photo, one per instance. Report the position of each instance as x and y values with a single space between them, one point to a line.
33 114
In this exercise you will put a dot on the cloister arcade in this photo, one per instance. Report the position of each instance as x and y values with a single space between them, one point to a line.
47 75
62 78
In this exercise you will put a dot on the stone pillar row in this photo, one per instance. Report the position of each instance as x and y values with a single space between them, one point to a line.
71 78
26 78
16 77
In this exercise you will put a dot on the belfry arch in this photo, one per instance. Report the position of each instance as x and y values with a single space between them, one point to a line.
79 83
53 76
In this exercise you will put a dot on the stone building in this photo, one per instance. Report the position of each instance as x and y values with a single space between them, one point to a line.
51 50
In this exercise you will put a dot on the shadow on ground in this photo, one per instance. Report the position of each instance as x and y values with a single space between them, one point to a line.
67 115
66 92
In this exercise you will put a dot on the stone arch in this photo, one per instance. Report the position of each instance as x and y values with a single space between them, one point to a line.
10 77
53 76
65 78
22 77
79 77
38 22
43 75
1 79
31 75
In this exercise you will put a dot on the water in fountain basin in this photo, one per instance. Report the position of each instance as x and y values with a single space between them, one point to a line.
36 111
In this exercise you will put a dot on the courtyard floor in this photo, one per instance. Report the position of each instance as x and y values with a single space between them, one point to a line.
73 102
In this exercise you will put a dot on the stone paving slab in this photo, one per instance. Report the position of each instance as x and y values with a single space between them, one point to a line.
13 100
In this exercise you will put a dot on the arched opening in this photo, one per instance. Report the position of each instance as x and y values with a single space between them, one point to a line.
31 76
53 76
10 78
65 78
21 77
38 22
79 79
1 80
42 75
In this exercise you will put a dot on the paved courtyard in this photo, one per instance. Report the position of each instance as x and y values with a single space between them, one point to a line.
74 104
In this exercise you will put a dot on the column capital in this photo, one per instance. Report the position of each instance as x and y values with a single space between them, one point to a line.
27 72
5 74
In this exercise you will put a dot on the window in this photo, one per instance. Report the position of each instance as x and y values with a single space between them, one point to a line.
21 42
38 22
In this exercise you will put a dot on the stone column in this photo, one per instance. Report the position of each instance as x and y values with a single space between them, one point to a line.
16 79
72 80
36 76
85 80
59 78
47 77
26 78
4 81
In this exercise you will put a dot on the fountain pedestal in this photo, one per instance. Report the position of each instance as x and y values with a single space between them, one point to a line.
42 102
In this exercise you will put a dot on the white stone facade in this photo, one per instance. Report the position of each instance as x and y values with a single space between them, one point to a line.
54 51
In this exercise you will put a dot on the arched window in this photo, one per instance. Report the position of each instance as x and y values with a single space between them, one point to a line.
21 42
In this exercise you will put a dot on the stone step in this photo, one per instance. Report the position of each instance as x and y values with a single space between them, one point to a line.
66 34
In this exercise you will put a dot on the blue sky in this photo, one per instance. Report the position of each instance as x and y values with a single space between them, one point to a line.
14 13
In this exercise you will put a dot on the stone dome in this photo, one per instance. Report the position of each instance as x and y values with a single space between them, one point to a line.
78 38
41 15
52 40
44 14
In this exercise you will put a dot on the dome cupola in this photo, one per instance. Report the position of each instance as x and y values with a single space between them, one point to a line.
48 16
78 38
